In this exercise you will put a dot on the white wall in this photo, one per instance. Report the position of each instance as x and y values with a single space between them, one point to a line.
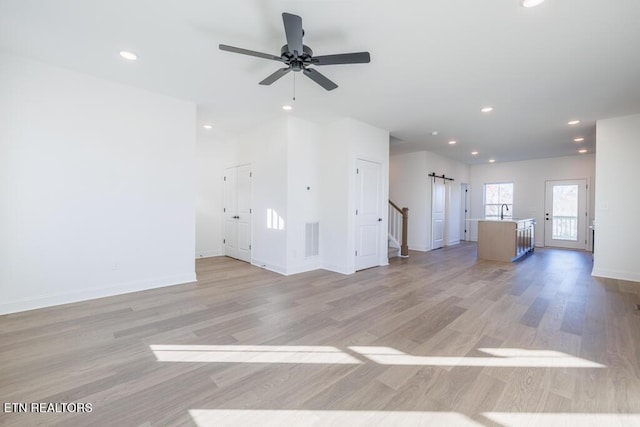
334 192
98 187
410 186
303 191
529 179
617 201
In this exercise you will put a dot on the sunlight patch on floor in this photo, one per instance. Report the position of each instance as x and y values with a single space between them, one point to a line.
500 357
514 419
304 418
507 357
252 354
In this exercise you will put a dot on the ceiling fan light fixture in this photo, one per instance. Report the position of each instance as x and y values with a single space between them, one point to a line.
130 56
531 3
299 57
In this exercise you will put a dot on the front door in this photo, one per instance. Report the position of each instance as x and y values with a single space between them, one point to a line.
565 217
368 214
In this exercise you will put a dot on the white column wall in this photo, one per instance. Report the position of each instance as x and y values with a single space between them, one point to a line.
98 187
617 201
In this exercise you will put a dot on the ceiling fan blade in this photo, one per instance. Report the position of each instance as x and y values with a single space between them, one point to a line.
293 31
320 79
343 58
275 76
249 52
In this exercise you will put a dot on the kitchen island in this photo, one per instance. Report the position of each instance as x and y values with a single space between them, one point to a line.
505 239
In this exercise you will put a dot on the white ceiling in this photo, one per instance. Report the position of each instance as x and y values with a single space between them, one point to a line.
434 63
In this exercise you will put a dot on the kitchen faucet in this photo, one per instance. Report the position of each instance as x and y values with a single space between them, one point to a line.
504 205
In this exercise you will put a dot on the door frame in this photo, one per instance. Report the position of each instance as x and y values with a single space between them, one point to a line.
465 210
587 216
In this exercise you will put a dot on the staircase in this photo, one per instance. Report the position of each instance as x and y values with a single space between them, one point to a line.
398 226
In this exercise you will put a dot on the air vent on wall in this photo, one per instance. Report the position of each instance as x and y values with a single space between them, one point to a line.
311 244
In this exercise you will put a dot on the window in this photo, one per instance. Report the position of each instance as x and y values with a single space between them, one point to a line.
495 195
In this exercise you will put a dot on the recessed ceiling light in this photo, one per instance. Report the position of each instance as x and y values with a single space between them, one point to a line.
207 126
531 3
492 160
578 139
573 122
287 107
582 151
474 153
128 55
434 133
487 109
452 142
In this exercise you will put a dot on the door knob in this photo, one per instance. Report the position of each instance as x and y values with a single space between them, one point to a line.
379 219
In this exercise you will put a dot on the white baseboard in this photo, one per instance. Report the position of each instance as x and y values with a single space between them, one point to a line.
89 294
208 254
630 276
337 269
271 267
304 268
418 248
453 242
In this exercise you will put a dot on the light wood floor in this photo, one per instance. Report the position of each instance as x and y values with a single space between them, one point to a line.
436 339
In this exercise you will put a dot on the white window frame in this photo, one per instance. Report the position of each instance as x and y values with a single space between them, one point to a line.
508 214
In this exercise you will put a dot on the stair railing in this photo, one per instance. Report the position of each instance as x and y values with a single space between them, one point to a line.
398 226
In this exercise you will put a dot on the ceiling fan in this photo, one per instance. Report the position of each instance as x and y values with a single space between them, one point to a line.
298 57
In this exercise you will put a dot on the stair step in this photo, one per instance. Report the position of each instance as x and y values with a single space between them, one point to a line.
393 252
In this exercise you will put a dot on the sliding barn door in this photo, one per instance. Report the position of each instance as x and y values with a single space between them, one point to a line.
438 210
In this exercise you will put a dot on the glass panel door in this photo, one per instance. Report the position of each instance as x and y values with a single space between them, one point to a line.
566 214
564 225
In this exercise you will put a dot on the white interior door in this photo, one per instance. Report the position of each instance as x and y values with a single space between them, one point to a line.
368 214
438 210
237 212
565 218
243 197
